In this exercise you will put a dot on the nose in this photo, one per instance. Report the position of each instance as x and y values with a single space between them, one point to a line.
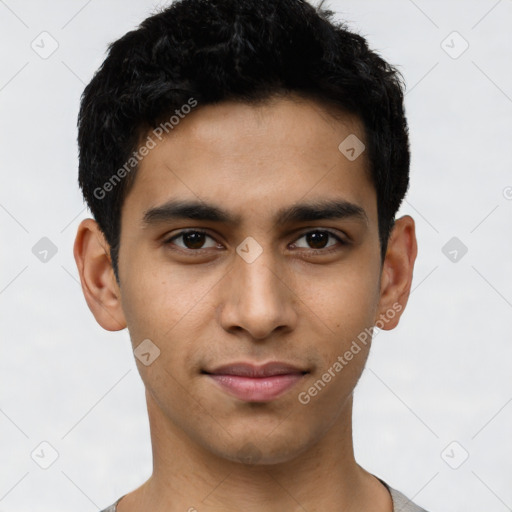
258 299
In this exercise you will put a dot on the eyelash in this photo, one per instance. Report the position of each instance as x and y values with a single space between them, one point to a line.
310 251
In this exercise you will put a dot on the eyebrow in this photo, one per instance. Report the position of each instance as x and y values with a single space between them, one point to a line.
302 212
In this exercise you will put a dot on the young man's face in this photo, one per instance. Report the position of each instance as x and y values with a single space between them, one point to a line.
266 282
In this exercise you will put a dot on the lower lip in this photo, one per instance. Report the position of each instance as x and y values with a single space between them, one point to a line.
252 389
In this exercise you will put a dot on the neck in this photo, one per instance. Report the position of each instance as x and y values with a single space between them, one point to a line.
188 477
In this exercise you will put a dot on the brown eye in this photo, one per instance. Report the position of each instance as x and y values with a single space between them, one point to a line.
318 240
192 240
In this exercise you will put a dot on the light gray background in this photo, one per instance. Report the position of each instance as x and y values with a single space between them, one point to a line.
443 375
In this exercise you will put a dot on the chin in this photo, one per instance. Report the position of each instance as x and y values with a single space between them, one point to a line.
261 452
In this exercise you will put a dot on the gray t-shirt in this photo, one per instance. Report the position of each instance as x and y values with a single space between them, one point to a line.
400 502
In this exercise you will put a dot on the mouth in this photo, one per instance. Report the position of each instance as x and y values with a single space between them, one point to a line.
256 383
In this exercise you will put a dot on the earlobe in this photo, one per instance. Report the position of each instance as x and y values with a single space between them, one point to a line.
99 285
397 272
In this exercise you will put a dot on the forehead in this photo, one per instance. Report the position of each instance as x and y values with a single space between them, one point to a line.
255 159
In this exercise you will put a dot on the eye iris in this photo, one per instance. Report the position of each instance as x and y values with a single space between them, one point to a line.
317 239
193 240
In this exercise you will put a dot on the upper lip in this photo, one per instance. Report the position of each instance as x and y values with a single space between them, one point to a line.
255 370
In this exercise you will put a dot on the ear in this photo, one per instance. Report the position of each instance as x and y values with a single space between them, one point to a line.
397 270
101 291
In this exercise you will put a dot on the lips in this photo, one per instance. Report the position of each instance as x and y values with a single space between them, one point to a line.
256 383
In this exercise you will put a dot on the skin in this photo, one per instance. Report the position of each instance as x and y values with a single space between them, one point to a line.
211 307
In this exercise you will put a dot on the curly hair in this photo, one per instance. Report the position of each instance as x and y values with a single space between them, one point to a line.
242 50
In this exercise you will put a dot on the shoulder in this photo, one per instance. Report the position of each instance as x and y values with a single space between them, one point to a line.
112 507
400 502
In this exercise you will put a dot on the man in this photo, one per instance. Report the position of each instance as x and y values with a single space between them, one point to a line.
244 161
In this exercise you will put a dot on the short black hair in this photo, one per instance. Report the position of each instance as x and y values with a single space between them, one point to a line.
210 51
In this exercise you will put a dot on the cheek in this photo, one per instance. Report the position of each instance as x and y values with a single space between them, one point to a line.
346 306
157 298
172 307
342 301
